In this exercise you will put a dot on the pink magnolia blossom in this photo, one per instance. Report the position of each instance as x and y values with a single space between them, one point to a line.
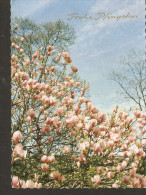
48 53
17 136
16 27
80 126
125 115
67 149
18 150
96 131
101 117
133 165
52 68
83 146
17 47
29 184
15 182
52 101
119 168
115 137
120 113
103 144
78 164
96 179
126 179
124 164
115 185
28 119
128 120
50 48
37 185
61 178
132 172
102 128
44 159
112 155
99 170
135 182
31 113
21 50
63 62
45 167
96 148
89 106
72 133
74 69
111 143
110 175
13 44
22 39
82 158
51 159
138 114
72 120
66 57
50 139
55 175
65 54
41 68
77 84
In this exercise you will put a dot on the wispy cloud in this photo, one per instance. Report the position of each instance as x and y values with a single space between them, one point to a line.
25 8
116 8
119 7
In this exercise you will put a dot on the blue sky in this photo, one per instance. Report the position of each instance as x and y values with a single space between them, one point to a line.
99 44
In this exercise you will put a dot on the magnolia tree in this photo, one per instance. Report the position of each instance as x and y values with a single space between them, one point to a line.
59 138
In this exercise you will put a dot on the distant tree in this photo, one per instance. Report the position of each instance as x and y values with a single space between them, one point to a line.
58 34
131 78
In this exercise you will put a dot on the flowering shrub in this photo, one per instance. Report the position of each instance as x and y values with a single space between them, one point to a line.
59 138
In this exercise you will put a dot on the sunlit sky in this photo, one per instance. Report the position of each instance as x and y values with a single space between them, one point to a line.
99 44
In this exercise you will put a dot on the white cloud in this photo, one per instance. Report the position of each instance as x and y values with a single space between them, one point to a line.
103 28
119 7
115 8
26 8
